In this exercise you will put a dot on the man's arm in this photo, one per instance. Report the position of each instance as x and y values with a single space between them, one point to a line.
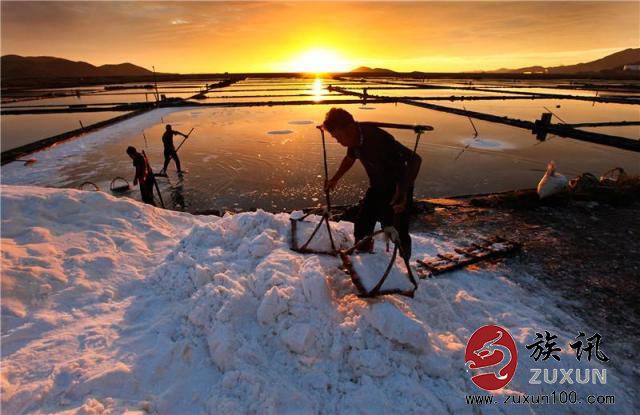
139 173
345 166
179 133
399 201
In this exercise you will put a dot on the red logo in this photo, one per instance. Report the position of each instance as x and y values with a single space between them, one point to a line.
491 357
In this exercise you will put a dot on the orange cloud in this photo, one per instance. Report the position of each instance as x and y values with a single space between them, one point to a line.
201 37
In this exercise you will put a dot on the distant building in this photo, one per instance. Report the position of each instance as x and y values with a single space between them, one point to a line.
635 67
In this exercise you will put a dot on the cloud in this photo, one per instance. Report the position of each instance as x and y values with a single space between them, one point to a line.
248 36
179 21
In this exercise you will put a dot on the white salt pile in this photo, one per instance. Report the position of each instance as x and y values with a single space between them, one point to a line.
370 269
111 306
487 144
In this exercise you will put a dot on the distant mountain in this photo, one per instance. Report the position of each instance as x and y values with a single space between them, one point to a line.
528 69
613 62
122 69
23 67
377 70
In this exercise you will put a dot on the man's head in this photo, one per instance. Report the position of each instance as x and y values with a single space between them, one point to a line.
131 151
168 127
342 126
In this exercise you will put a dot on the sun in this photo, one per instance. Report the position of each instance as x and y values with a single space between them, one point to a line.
319 61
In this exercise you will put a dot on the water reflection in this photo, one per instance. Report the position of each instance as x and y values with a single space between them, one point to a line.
317 90
271 157
18 130
234 163
177 194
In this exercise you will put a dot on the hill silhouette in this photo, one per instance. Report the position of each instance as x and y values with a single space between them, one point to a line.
24 67
366 69
613 62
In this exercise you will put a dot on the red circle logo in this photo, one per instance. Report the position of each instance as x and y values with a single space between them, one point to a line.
491 357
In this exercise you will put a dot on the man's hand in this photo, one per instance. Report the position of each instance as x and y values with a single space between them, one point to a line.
330 184
391 234
399 201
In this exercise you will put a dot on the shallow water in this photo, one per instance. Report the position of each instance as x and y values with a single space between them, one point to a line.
559 91
276 97
417 92
17 130
271 157
565 111
101 98
97 94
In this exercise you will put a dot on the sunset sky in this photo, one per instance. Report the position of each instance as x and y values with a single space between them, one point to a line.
329 36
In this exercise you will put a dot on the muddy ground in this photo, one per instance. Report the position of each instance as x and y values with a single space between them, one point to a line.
588 253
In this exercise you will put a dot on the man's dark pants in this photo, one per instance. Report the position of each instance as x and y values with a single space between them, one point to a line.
146 192
168 155
375 207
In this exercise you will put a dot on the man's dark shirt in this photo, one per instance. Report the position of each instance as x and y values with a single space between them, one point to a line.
141 167
167 140
383 158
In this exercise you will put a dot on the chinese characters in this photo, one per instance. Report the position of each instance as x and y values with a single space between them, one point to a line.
545 346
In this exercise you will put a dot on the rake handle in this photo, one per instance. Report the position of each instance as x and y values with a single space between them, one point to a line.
185 139
326 168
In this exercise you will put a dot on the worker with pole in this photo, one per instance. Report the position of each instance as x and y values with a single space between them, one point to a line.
169 149
143 175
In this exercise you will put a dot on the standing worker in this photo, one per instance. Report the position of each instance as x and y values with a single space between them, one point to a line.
169 149
392 169
143 176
